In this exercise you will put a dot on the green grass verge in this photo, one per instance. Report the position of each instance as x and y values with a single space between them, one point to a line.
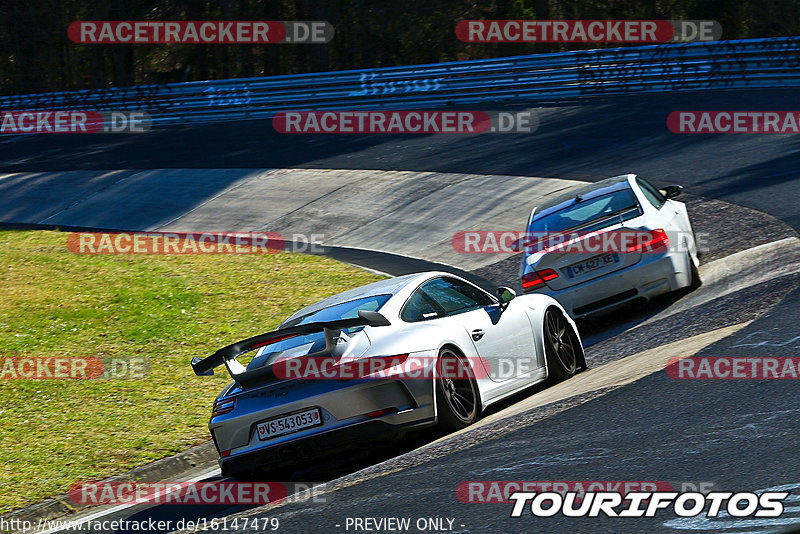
165 309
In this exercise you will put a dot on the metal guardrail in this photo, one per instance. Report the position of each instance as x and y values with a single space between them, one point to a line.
743 64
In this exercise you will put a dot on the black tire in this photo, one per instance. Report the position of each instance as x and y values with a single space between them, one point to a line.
695 280
457 399
561 347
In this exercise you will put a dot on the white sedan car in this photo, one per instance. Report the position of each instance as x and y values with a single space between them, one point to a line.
601 245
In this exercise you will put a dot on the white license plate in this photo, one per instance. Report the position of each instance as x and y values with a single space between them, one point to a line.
592 264
288 424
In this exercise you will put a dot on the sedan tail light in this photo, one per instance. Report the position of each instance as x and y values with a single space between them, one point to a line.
658 240
223 406
535 279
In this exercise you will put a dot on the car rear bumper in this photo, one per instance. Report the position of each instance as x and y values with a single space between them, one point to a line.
647 279
318 446
347 409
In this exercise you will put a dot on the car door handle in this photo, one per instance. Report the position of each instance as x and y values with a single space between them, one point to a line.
477 334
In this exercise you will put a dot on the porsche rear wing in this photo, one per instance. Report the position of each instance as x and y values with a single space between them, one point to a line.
205 366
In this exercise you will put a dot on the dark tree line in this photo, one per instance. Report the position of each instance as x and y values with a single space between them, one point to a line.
37 56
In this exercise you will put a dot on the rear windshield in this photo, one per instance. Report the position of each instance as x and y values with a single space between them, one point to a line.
315 342
590 215
343 310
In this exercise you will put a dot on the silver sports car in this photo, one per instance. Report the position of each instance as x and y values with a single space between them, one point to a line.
374 362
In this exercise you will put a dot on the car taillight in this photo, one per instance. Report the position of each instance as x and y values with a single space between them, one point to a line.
530 281
536 279
548 274
657 240
222 406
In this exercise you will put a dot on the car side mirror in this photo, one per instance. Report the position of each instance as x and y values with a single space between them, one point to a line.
505 295
672 191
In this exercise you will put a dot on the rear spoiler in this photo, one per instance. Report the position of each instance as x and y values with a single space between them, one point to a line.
205 366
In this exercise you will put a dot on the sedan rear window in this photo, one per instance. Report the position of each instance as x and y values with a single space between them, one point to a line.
619 205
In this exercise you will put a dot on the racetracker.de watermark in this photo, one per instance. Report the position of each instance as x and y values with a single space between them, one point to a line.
214 492
587 31
200 31
405 122
648 504
72 368
752 122
622 241
734 368
74 122
192 243
402 366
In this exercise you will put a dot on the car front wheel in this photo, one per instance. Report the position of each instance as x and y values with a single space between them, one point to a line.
561 346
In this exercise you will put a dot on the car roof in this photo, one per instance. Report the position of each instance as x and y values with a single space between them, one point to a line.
390 286
586 192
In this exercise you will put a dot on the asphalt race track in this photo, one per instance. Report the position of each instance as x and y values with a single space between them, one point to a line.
735 435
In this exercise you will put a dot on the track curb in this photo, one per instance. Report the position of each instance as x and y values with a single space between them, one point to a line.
198 457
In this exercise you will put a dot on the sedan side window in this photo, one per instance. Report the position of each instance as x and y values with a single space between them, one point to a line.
651 193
